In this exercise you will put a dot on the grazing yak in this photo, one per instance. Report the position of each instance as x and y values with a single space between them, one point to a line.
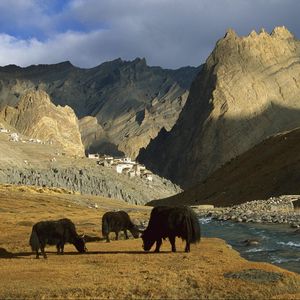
171 222
55 233
116 221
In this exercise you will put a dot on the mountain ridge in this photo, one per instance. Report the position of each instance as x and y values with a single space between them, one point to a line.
244 77
114 93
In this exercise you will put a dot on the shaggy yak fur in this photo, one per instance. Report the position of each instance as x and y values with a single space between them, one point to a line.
55 233
116 221
171 222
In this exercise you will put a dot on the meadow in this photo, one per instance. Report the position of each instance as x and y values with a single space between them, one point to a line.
119 269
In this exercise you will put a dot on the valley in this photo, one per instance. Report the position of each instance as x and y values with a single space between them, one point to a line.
120 269
223 138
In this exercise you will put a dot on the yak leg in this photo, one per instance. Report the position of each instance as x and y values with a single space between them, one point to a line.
37 253
43 251
126 235
172 241
107 238
187 247
60 247
117 235
158 244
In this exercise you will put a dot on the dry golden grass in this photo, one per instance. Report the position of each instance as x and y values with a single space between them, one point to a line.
119 269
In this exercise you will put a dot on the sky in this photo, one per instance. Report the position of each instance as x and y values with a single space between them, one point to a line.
168 33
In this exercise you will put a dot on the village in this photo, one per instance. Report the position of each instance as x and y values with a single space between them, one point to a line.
123 165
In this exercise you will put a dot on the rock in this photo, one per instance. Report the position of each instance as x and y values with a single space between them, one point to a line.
251 242
94 181
245 93
131 101
37 117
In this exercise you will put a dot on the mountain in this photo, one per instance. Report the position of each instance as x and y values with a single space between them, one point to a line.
130 100
271 168
248 90
37 117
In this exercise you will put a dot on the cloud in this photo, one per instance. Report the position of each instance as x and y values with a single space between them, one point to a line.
170 33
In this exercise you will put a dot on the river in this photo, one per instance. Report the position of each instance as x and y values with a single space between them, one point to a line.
278 244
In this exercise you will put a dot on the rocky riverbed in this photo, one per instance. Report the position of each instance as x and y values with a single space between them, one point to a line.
279 210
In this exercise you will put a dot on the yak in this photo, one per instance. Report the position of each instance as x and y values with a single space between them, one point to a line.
56 233
171 222
116 221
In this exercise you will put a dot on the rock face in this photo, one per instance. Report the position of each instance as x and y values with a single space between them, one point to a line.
37 117
91 133
131 101
248 89
92 180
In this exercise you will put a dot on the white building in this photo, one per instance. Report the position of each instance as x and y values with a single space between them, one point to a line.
93 156
4 130
14 137
148 176
121 166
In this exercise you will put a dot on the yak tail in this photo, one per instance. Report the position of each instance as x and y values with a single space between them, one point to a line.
105 227
192 227
34 240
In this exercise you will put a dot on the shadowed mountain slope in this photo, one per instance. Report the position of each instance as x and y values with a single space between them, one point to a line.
130 100
271 168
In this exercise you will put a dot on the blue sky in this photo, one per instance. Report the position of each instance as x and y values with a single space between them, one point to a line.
169 33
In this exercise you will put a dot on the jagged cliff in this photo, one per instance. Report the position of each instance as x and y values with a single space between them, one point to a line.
130 100
248 89
37 117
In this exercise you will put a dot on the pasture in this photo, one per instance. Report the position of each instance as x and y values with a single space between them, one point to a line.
120 269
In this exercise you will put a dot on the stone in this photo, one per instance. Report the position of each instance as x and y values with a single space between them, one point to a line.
246 92
37 117
131 100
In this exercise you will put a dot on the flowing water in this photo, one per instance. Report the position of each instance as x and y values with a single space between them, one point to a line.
278 244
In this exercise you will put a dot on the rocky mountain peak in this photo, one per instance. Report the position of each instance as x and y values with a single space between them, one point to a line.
114 93
248 89
254 51
37 117
33 99
282 32
230 34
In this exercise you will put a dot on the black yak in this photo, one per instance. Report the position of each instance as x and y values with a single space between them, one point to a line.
116 221
171 222
55 233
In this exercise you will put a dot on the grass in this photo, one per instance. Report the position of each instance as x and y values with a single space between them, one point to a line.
120 269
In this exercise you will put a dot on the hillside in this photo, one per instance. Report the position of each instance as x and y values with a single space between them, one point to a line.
40 164
130 100
271 168
248 89
38 118
103 272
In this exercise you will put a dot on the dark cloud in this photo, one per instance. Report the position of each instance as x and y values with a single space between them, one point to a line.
170 33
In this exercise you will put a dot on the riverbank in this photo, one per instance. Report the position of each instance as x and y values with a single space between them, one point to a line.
276 210
120 269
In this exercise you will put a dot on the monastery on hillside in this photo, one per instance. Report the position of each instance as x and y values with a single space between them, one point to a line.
123 165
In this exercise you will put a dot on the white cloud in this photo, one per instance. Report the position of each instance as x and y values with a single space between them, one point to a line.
170 33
